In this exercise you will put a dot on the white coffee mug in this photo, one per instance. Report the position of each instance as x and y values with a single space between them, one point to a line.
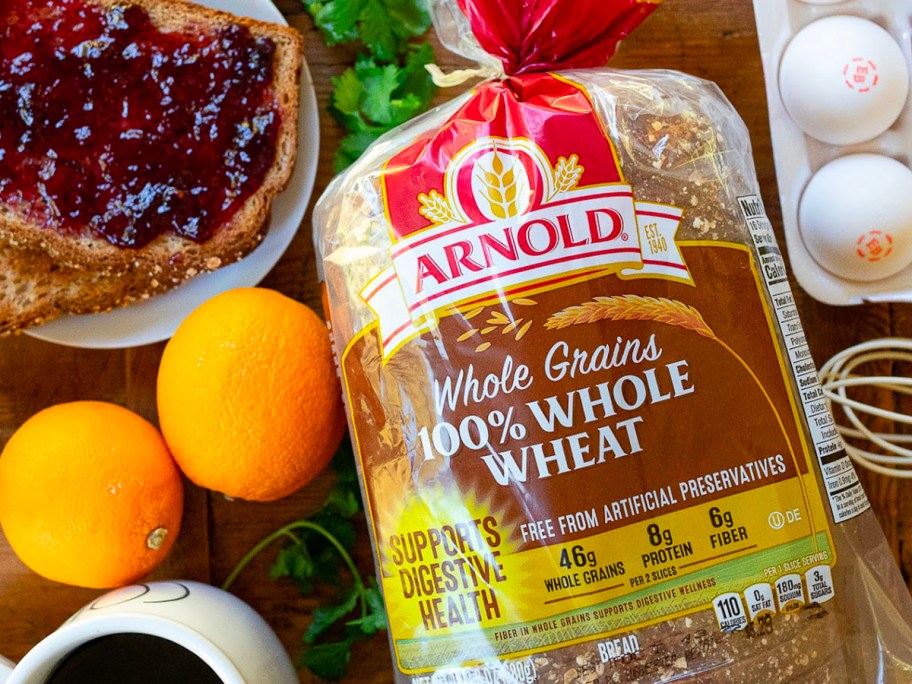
226 633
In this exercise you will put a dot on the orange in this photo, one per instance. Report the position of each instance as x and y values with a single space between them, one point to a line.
89 495
248 398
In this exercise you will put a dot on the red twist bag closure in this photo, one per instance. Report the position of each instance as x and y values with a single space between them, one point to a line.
550 35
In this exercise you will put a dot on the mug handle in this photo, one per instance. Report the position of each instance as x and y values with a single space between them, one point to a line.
6 668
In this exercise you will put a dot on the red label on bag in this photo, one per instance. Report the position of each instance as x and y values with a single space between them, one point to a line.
515 192
547 109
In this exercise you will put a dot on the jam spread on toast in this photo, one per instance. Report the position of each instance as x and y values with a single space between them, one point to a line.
110 122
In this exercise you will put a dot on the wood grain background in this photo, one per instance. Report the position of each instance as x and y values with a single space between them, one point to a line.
713 39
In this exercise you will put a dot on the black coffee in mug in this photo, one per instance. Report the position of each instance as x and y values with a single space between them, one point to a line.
132 659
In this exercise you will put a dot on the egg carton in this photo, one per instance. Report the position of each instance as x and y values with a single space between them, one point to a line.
837 76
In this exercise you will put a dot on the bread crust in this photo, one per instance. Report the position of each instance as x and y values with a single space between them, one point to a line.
35 289
121 275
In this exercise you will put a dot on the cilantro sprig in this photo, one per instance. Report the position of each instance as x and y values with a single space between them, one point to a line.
318 551
388 85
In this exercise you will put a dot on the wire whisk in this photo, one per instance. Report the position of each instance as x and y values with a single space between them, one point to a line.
838 376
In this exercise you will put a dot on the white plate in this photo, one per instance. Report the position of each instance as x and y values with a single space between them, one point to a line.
158 318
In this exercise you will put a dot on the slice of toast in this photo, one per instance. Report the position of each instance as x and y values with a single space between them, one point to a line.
35 289
47 271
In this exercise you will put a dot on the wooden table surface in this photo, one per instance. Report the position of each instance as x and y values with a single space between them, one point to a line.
714 39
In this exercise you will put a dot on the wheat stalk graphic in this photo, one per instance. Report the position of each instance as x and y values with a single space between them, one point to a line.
632 308
436 208
500 187
566 175
678 314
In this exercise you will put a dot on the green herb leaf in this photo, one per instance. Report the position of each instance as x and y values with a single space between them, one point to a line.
347 93
344 498
343 464
388 84
325 617
329 660
377 33
295 562
378 84
336 525
344 501
417 81
383 26
375 620
403 109
327 561
408 17
351 147
371 99
336 19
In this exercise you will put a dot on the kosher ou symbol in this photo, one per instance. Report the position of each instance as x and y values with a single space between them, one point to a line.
875 245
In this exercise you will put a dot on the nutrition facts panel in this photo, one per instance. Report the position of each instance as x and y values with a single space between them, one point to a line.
847 498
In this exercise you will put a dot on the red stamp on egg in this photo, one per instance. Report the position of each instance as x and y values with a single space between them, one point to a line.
875 245
860 74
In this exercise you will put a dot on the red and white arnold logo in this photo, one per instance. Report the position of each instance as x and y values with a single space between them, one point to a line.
506 219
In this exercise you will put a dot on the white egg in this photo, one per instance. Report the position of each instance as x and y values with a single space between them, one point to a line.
855 217
822 2
843 80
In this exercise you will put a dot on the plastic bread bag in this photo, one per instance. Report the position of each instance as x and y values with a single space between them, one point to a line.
590 435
